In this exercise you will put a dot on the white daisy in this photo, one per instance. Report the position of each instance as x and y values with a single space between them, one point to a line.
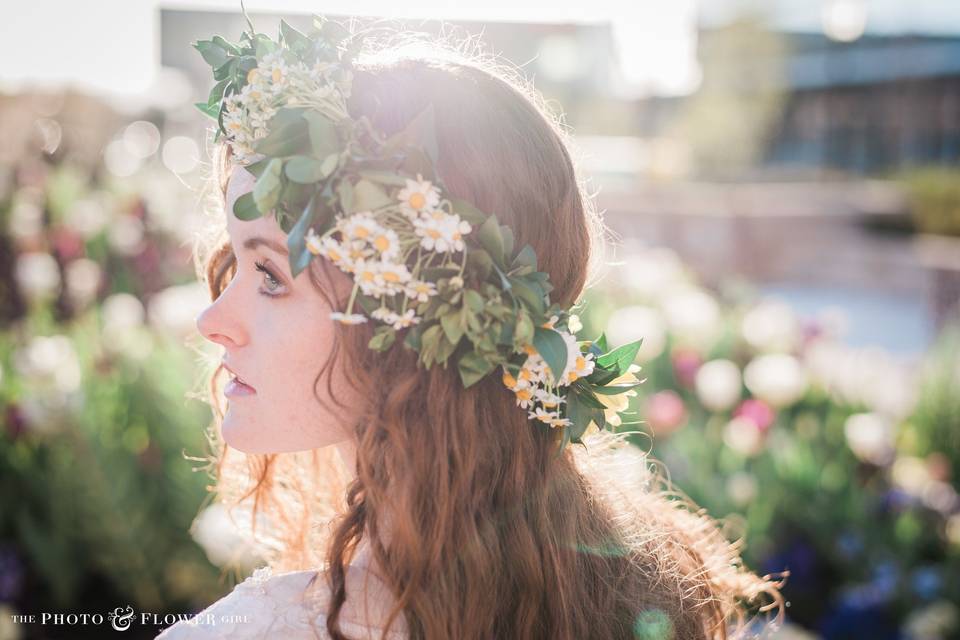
420 290
405 320
419 195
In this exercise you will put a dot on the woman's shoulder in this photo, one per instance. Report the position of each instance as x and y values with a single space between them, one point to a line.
268 605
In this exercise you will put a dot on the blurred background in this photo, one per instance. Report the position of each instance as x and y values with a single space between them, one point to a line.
783 177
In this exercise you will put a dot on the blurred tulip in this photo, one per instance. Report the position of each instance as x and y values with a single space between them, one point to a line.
777 379
757 412
686 362
665 412
718 385
741 488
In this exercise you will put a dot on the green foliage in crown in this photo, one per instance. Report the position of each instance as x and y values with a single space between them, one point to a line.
425 264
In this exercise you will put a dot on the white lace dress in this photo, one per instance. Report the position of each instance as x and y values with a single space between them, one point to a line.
269 606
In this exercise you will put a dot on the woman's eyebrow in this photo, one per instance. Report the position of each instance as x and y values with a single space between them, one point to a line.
255 241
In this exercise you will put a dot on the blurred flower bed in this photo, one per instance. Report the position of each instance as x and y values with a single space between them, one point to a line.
98 493
837 463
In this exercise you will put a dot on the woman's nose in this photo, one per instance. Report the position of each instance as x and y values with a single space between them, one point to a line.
215 325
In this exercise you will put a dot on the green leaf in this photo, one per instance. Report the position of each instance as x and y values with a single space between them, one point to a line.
304 169
209 110
266 191
383 177
473 367
467 211
621 357
614 389
524 329
288 134
300 256
529 294
383 338
474 300
245 208
368 196
214 55
488 235
480 262
297 41
552 349
525 258
324 138
453 326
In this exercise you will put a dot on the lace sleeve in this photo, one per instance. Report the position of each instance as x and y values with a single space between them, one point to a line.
265 606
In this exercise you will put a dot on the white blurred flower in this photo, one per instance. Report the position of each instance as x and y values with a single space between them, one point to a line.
50 363
83 280
910 474
633 323
174 310
653 272
121 312
777 379
88 216
953 529
743 436
692 314
771 326
940 496
869 376
126 235
225 539
741 487
871 437
718 384
37 275
26 219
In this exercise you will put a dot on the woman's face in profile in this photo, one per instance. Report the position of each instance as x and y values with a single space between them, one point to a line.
277 334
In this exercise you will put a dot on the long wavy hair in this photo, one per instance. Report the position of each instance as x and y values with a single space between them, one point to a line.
477 527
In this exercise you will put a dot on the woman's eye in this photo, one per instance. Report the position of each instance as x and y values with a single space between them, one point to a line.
271 281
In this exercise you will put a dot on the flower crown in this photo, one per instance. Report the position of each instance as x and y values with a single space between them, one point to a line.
422 262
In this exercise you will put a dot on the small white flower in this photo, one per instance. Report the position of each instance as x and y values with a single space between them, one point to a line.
313 242
386 242
348 318
419 195
420 290
456 282
359 226
384 315
542 415
407 319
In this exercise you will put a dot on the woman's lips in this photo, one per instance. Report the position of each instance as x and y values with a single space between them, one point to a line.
236 388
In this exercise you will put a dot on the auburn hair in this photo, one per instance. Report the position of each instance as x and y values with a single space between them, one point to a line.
491 534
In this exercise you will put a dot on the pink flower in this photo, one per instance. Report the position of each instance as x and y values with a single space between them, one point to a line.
686 363
665 412
756 411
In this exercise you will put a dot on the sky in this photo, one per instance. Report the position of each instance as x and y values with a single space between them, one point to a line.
111 46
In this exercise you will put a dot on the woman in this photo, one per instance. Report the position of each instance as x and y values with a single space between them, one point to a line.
394 498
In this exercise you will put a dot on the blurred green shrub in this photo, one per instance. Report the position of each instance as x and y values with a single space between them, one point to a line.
934 194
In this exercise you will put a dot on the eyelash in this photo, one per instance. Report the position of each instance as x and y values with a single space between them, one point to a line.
263 269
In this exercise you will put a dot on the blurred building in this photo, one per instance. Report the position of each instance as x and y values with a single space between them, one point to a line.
875 104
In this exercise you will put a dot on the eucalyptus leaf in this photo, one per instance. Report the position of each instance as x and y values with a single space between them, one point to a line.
304 169
300 255
368 196
473 367
324 138
245 208
266 191
288 134
552 348
488 235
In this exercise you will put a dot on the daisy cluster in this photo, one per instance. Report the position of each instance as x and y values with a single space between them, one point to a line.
280 80
376 247
535 386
